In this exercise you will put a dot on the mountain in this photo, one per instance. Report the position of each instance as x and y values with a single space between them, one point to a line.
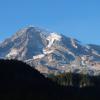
51 52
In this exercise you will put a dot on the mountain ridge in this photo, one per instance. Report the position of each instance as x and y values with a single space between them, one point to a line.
50 50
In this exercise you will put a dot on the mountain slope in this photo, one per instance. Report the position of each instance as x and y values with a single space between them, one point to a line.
21 44
50 52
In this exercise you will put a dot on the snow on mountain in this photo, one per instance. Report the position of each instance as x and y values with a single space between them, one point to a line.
73 43
38 56
53 37
12 53
95 52
50 52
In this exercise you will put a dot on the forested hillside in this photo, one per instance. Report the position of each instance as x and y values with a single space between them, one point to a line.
20 81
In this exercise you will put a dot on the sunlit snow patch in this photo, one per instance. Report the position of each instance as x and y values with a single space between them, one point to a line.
52 37
12 53
73 43
95 52
47 51
38 56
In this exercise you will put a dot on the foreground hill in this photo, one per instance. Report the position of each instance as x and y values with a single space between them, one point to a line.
19 81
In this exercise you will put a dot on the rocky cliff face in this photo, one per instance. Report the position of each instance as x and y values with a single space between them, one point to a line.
50 52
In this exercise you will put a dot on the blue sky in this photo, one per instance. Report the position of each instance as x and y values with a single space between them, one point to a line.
75 18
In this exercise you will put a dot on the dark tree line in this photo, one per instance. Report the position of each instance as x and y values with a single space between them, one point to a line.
75 80
19 81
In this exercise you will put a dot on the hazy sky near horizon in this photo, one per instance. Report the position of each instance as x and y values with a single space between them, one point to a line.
75 18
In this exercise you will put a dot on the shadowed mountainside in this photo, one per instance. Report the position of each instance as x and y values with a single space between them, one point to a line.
19 81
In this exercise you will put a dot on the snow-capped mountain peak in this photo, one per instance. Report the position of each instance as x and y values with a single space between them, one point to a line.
49 50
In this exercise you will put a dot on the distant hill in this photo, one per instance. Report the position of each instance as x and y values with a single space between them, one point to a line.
19 81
